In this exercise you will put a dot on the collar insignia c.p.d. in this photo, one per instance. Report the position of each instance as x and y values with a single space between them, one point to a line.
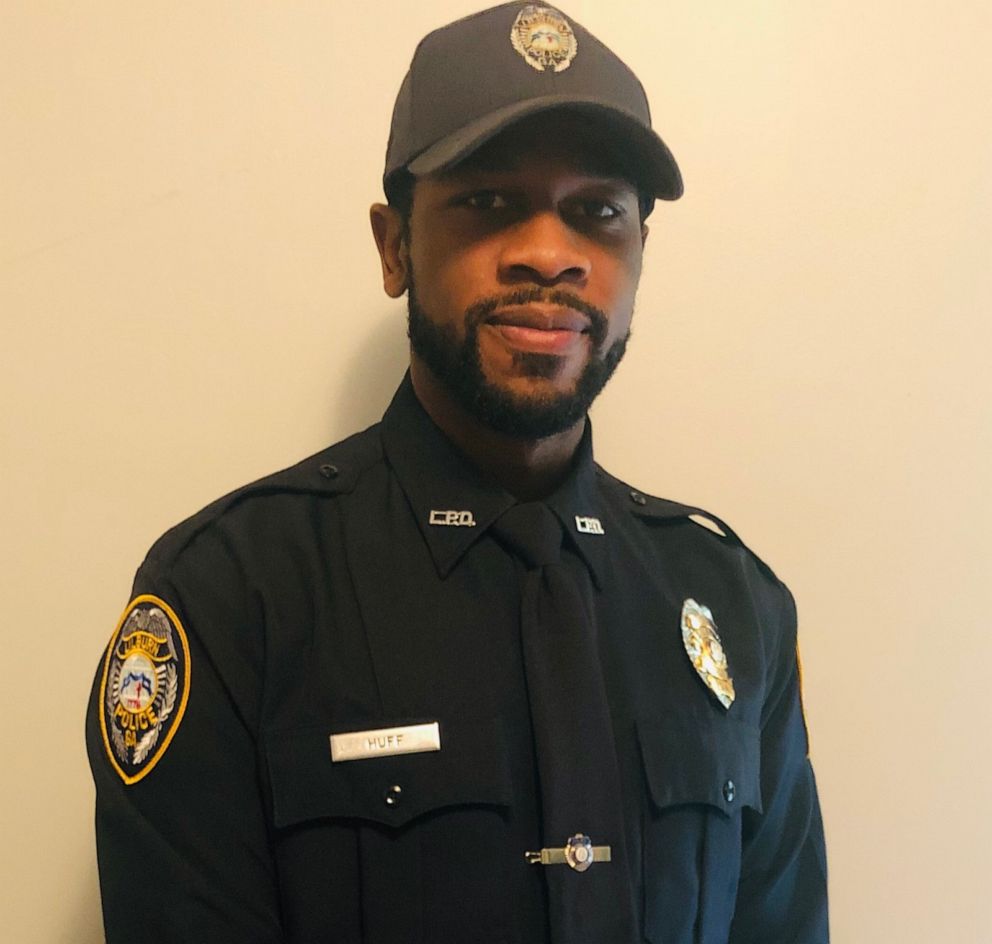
705 651
145 686
544 38
587 525
451 518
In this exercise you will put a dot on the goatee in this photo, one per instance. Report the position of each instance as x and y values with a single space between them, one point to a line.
456 364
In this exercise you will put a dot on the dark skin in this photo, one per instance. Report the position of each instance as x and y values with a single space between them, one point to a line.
527 211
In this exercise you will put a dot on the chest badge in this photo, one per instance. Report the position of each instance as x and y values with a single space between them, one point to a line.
705 651
544 38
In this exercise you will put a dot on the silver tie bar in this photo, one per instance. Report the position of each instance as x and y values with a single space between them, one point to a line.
578 853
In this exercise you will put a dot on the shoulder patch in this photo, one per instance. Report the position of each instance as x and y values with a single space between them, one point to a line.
144 687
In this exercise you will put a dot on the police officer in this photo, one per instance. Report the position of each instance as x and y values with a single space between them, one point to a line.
448 680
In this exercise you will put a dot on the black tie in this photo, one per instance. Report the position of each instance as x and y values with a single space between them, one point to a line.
576 755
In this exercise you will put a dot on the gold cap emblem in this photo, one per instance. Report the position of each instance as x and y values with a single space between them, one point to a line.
705 651
544 38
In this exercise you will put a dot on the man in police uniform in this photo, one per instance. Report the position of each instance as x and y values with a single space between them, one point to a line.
448 680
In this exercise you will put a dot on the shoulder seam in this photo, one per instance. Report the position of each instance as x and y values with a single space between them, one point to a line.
317 474
650 506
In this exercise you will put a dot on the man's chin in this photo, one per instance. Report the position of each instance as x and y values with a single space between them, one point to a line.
537 395
533 409
534 390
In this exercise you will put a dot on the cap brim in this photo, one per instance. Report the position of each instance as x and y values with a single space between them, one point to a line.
660 172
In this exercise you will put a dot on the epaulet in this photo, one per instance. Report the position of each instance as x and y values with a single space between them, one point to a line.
642 505
647 507
332 471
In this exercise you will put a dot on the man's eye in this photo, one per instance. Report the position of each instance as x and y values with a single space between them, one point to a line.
599 209
486 200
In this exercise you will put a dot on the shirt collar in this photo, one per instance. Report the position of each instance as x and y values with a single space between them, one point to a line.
441 485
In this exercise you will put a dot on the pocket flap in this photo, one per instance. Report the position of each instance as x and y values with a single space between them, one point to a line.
716 762
470 769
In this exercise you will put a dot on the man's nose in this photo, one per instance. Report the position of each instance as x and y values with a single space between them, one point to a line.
543 249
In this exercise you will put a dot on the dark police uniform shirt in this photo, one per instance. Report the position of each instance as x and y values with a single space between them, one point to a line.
322 600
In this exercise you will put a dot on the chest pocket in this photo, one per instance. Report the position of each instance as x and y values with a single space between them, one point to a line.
386 835
700 774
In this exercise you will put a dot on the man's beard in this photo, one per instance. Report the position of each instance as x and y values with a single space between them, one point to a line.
456 364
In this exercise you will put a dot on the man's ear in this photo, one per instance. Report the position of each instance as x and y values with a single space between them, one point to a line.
390 240
645 229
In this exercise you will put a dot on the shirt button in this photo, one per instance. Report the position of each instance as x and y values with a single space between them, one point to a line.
729 791
329 471
638 499
393 794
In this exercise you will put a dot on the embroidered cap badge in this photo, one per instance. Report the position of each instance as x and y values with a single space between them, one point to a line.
705 651
145 686
544 38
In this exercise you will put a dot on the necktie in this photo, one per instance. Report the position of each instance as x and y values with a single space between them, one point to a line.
581 803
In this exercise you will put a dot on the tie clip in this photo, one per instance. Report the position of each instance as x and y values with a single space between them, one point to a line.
578 853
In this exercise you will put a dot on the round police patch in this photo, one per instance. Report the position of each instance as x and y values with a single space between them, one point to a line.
145 686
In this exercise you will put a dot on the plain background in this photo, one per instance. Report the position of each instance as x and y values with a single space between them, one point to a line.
190 299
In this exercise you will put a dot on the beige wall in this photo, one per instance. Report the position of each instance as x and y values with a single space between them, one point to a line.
189 299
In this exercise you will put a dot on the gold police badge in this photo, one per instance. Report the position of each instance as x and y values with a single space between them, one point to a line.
705 651
544 38
145 686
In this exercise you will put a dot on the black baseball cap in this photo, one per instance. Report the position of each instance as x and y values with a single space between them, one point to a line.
475 77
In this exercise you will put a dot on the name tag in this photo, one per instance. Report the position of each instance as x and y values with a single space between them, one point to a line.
384 742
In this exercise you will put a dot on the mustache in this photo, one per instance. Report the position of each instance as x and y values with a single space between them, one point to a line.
479 311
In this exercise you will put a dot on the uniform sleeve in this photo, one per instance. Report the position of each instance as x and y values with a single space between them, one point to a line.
182 840
782 895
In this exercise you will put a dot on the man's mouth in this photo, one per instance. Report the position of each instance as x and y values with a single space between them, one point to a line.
539 328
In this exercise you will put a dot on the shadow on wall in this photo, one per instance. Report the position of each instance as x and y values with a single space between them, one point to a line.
85 925
373 374
356 400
